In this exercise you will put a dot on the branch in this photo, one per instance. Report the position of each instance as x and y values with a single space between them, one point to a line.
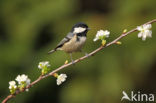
75 61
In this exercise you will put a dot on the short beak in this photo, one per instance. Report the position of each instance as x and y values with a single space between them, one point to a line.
88 28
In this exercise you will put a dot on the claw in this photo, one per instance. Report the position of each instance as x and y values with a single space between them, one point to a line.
86 54
73 62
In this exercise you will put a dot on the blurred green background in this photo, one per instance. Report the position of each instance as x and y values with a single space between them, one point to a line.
30 28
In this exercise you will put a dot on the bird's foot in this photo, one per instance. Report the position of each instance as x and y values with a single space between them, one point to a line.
73 62
86 54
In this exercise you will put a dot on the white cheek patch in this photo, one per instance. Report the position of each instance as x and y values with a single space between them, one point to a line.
79 30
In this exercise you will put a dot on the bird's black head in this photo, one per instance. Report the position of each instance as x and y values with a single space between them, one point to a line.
80 28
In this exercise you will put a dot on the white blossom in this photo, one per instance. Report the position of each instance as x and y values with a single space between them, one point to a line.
21 79
61 78
101 34
144 31
43 65
12 84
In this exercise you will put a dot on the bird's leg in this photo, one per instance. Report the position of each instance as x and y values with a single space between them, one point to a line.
71 58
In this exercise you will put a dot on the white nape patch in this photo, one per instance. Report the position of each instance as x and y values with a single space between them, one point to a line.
79 30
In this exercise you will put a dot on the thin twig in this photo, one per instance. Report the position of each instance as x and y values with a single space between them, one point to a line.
76 61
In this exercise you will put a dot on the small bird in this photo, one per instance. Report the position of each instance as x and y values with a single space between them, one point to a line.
74 40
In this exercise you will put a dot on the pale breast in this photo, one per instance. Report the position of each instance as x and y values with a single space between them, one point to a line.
74 44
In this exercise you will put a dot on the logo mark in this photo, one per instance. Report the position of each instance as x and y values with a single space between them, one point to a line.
137 96
125 96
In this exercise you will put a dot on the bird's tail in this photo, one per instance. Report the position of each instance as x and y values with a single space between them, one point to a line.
51 51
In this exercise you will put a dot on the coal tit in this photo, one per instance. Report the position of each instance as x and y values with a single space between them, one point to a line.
74 40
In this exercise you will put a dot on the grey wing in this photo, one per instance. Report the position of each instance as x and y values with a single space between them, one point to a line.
64 40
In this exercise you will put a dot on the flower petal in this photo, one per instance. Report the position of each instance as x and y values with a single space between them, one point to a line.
148 33
139 28
95 39
147 26
140 34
